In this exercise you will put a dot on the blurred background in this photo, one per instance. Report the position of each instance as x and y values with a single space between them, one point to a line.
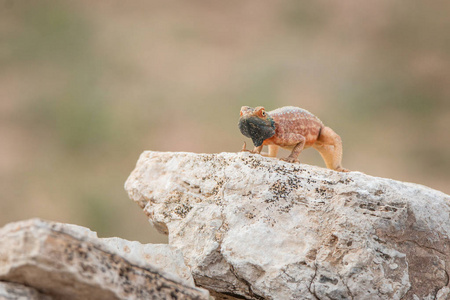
86 86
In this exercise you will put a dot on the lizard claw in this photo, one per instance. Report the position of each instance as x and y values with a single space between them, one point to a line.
244 148
341 169
290 159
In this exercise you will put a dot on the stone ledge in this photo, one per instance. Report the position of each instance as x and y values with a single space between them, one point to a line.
260 228
69 262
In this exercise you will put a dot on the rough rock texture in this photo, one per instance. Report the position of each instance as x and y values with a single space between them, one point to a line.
14 291
261 228
69 262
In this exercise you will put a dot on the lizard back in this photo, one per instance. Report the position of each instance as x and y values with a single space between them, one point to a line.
290 119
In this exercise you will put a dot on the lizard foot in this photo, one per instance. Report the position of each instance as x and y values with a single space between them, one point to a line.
244 148
341 169
290 159
254 151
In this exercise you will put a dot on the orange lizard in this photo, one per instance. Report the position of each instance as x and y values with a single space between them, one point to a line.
290 128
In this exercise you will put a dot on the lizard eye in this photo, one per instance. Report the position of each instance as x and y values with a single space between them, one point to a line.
263 113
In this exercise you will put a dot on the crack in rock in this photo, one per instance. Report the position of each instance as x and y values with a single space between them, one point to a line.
312 282
248 284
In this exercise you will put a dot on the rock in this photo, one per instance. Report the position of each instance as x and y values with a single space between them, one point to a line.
70 262
14 291
261 228
162 256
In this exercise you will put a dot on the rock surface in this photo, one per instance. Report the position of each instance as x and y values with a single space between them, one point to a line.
260 228
14 291
65 261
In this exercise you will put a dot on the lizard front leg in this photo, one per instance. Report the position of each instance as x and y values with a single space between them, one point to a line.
273 150
256 150
293 157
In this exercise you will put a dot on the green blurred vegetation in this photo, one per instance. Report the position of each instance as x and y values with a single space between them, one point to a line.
87 86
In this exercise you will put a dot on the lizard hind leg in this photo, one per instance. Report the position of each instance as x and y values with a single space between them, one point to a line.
329 145
296 150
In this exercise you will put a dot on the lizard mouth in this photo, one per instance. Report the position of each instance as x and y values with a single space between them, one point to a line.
256 129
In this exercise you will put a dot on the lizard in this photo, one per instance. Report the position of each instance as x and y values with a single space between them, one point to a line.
291 128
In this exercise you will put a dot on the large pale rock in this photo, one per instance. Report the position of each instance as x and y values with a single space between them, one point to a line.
70 262
261 228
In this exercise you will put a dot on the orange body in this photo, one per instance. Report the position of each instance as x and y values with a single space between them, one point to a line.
291 122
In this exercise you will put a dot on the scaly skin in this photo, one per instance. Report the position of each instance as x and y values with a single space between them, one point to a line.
290 128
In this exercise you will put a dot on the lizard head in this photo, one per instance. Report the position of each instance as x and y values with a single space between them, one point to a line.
257 124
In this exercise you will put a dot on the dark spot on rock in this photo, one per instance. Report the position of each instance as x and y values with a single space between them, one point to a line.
311 255
389 208
250 215
182 210
329 182
383 255
345 181
324 192
368 206
333 240
325 279
378 192
88 268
